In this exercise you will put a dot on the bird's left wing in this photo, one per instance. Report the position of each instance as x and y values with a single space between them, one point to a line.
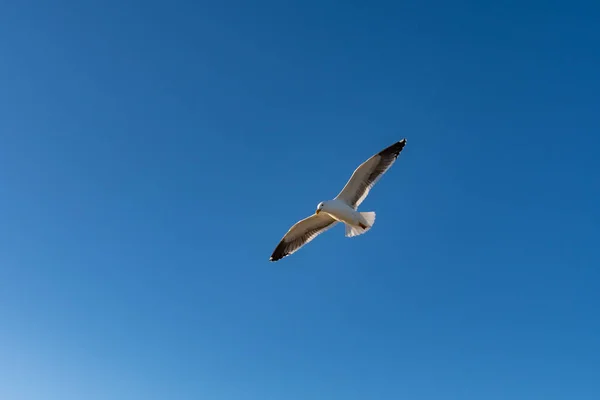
301 233
368 173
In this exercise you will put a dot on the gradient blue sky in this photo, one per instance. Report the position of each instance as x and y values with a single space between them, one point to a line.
154 153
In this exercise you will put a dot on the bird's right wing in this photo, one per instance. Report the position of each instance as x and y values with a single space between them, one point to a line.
301 233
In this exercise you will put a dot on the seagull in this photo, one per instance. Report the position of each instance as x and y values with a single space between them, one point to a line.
343 208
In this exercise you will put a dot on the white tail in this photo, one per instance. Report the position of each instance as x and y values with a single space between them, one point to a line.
368 217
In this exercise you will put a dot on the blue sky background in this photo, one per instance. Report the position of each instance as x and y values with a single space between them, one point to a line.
153 154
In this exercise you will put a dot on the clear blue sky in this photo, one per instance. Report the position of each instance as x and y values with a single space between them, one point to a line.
154 153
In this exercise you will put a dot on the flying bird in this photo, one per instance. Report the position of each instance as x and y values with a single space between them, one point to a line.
343 208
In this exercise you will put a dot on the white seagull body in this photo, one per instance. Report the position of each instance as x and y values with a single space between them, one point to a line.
343 208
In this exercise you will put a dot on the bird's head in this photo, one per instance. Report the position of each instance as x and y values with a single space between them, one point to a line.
319 207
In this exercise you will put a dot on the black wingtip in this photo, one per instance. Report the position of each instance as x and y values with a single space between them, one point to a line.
394 149
278 254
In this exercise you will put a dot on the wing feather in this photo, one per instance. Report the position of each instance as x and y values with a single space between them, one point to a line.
368 173
301 233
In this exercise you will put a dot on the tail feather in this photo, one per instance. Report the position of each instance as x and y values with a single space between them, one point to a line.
369 219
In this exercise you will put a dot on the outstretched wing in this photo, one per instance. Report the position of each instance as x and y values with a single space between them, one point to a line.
301 233
368 173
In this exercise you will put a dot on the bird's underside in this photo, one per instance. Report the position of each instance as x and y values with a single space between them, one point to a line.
343 208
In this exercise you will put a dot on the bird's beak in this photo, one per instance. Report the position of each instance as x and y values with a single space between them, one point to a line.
318 211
